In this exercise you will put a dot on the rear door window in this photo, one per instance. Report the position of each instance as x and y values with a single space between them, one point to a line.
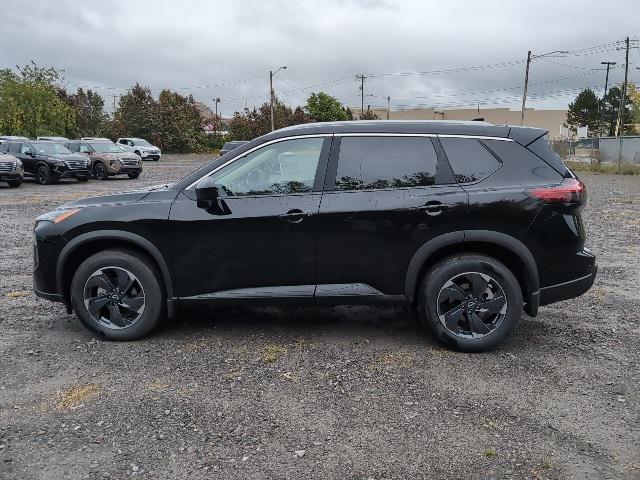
367 163
469 159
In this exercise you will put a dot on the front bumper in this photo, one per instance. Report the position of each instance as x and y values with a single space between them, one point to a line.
151 156
571 289
71 173
6 176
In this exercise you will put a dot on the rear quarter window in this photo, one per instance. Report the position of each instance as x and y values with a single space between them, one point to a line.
521 165
469 159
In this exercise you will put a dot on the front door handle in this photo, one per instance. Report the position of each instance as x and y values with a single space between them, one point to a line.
434 207
294 216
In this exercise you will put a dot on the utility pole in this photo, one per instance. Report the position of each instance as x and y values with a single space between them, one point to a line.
362 78
388 106
526 84
271 74
114 102
216 101
622 102
606 85
526 77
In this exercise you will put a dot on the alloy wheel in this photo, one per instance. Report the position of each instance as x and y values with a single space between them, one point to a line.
471 305
42 175
99 171
114 297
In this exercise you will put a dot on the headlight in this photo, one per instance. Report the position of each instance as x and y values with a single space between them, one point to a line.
57 216
116 162
18 163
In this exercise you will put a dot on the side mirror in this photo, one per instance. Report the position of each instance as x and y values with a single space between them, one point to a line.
210 197
31 153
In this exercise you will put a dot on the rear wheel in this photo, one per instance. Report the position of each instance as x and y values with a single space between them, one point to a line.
118 293
43 174
471 302
15 183
100 172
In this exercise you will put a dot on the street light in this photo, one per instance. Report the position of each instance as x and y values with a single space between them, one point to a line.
217 101
526 77
271 74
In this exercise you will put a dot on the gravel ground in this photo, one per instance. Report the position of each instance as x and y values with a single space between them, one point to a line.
345 393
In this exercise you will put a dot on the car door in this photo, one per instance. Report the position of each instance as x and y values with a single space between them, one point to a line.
263 246
20 150
385 197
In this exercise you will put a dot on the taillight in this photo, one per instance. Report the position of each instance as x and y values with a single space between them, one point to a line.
571 190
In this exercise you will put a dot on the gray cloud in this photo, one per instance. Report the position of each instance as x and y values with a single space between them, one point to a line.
113 44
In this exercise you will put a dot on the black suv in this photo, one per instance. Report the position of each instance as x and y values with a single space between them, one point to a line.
48 161
466 221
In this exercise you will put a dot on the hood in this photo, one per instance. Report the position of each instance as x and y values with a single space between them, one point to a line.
68 156
114 156
121 198
6 157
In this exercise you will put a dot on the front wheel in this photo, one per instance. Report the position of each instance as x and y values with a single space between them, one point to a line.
118 294
15 183
100 172
43 175
471 302
134 175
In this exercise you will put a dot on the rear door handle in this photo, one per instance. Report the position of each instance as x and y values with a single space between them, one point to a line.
294 216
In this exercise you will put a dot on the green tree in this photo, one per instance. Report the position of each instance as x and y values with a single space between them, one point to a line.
610 109
30 105
180 125
322 107
584 111
251 124
136 115
90 115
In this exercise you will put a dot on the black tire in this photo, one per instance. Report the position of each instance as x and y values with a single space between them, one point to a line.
134 175
100 171
449 296
15 183
43 174
147 286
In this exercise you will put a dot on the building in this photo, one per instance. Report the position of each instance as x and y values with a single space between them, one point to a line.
550 120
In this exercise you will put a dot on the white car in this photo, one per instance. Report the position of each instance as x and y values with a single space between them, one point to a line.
141 147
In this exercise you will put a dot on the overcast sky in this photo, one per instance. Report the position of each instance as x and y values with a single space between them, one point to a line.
226 48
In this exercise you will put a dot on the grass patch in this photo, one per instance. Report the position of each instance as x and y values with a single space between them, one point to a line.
546 464
272 353
157 386
19 294
489 452
625 168
74 396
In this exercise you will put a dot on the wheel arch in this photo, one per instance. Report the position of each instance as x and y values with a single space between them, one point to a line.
83 246
505 248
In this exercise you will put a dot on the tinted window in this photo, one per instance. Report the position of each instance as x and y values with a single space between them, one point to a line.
469 159
73 147
280 168
14 147
4 147
528 166
385 162
542 148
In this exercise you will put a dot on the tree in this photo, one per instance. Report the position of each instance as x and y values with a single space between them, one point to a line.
180 123
322 107
609 111
584 111
136 115
251 124
90 115
30 105
634 95
369 115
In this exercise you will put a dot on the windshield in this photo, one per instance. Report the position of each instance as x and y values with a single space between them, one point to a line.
105 147
141 142
49 148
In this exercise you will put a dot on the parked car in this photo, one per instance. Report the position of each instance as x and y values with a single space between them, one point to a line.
107 158
54 139
99 139
467 222
140 147
48 161
11 169
12 137
228 146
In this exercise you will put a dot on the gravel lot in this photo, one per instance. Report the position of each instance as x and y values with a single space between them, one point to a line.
345 393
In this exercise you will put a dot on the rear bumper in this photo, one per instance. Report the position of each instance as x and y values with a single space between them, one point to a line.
571 289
